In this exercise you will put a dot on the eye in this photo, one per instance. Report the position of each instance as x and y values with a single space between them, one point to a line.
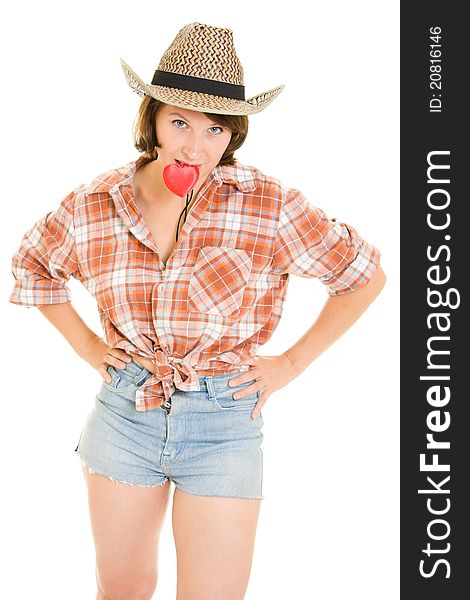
217 127
179 121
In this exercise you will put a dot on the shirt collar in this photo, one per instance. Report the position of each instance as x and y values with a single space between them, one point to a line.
239 175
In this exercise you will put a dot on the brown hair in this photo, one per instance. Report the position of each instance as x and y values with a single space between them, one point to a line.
145 135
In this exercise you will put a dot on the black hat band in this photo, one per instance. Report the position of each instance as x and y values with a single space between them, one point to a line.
198 84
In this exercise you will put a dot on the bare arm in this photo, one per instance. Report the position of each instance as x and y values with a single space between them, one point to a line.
336 317
87 344
66 320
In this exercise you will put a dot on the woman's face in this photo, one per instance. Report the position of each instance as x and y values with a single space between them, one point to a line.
191 137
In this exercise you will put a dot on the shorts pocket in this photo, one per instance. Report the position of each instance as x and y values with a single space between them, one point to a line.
224 400
123 380
118 382
218 280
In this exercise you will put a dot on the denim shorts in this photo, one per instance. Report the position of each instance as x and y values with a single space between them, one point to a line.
204 441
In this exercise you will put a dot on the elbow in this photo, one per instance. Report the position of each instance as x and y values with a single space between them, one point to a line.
377 282
382 278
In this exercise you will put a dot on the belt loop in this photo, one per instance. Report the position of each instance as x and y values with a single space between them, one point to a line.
210 387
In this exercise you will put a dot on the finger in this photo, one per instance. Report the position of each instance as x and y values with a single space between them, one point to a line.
126 357
257 409
103 371
242 379
117 360
251 389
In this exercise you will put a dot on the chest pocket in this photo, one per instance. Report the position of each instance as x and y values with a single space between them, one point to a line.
218 280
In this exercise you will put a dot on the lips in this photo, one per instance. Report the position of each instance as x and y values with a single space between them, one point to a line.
180 162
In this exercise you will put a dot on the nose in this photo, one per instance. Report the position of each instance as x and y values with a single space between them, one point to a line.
192 147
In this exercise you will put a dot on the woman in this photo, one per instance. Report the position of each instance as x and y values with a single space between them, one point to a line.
187 291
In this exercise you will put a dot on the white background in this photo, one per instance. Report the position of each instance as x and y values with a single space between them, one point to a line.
329 524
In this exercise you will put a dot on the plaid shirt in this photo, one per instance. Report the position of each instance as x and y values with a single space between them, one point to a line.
221 294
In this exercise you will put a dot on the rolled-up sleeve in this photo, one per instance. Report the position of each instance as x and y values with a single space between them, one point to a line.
310 244
46 259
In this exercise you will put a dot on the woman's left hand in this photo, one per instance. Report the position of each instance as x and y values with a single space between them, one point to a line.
271 373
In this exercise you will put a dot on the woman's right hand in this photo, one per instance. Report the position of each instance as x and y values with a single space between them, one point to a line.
100 356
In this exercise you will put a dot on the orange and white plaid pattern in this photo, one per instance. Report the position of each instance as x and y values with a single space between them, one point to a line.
220 295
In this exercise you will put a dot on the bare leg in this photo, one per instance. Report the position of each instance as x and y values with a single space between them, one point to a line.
126 523
214 545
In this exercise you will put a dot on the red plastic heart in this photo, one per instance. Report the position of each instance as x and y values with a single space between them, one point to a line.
180 179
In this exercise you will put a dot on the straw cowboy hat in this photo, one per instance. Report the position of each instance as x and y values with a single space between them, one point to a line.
201 71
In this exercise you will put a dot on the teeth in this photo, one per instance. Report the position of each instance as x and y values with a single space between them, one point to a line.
182 163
